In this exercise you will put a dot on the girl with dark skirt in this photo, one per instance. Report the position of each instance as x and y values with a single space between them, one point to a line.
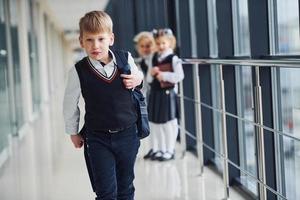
164 75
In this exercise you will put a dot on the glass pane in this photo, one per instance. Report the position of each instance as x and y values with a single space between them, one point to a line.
33 55
5 124
215 81
217 116
241 27
212 28
290 109
16 61
246 129
288 27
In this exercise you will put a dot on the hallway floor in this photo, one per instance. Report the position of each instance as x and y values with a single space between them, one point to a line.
171 180
43 165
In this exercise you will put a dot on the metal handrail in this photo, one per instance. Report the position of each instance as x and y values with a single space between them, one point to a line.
290 63
258 123
235 165
288 135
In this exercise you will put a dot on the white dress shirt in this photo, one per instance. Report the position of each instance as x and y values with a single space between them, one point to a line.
71 110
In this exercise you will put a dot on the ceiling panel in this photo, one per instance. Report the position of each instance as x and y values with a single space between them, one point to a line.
68 13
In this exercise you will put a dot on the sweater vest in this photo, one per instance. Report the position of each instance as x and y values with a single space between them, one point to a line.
108 104
155 85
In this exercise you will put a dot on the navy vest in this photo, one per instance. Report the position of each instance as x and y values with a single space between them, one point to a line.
108 104
144 67
155 85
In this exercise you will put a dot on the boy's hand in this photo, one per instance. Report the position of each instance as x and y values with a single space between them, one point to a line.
131 80
77 140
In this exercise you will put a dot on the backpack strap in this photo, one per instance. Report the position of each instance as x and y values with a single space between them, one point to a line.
122 61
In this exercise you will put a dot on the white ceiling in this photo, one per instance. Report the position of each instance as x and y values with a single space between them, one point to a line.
68 13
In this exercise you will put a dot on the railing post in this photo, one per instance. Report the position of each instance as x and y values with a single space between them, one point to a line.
224 137
198 117
182 121
260 136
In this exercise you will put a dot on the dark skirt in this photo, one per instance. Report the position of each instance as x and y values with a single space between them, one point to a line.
162 106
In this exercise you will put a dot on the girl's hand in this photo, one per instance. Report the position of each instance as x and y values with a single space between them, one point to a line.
159 76
154 71
131 81
77 140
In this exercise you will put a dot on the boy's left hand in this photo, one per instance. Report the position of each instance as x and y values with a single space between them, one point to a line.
131 80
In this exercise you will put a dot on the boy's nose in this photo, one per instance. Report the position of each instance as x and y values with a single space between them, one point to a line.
95 44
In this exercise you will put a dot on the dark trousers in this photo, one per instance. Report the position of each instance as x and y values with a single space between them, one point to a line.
110 159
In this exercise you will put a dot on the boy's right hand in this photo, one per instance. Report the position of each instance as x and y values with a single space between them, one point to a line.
77 140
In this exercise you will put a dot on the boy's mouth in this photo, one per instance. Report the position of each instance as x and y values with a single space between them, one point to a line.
95 53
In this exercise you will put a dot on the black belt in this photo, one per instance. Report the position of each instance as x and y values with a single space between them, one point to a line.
115 130
112 131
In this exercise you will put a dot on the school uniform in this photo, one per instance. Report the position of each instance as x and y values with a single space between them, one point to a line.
144 64
110 125
162 106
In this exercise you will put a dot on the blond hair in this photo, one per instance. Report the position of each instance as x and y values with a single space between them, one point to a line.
144 35
165 33
95 22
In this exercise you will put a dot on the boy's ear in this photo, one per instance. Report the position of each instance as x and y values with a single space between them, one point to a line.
80 41
112 39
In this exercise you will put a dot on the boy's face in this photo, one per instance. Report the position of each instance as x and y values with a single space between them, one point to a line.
97 45
145 47
162 44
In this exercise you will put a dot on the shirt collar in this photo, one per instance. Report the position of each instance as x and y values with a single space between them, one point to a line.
165 53
113 56
97 63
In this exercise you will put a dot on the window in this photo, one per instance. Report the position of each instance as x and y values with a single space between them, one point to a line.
16 62
33 55
246 129
289 107
284 38
244 89
241 27
5 124
287 27
212 28
215 81
217 116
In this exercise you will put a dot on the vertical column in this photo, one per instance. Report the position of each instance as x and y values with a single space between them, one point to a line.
24 60
262 41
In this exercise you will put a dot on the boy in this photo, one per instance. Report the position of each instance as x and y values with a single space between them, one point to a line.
110 120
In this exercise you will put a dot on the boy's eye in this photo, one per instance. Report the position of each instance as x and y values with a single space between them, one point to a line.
89 39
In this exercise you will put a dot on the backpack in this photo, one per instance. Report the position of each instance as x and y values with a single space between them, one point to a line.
138 98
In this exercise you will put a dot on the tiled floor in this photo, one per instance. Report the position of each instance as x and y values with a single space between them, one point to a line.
174 180
43 165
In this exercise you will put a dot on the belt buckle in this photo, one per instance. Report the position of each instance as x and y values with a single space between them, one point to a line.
113 131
